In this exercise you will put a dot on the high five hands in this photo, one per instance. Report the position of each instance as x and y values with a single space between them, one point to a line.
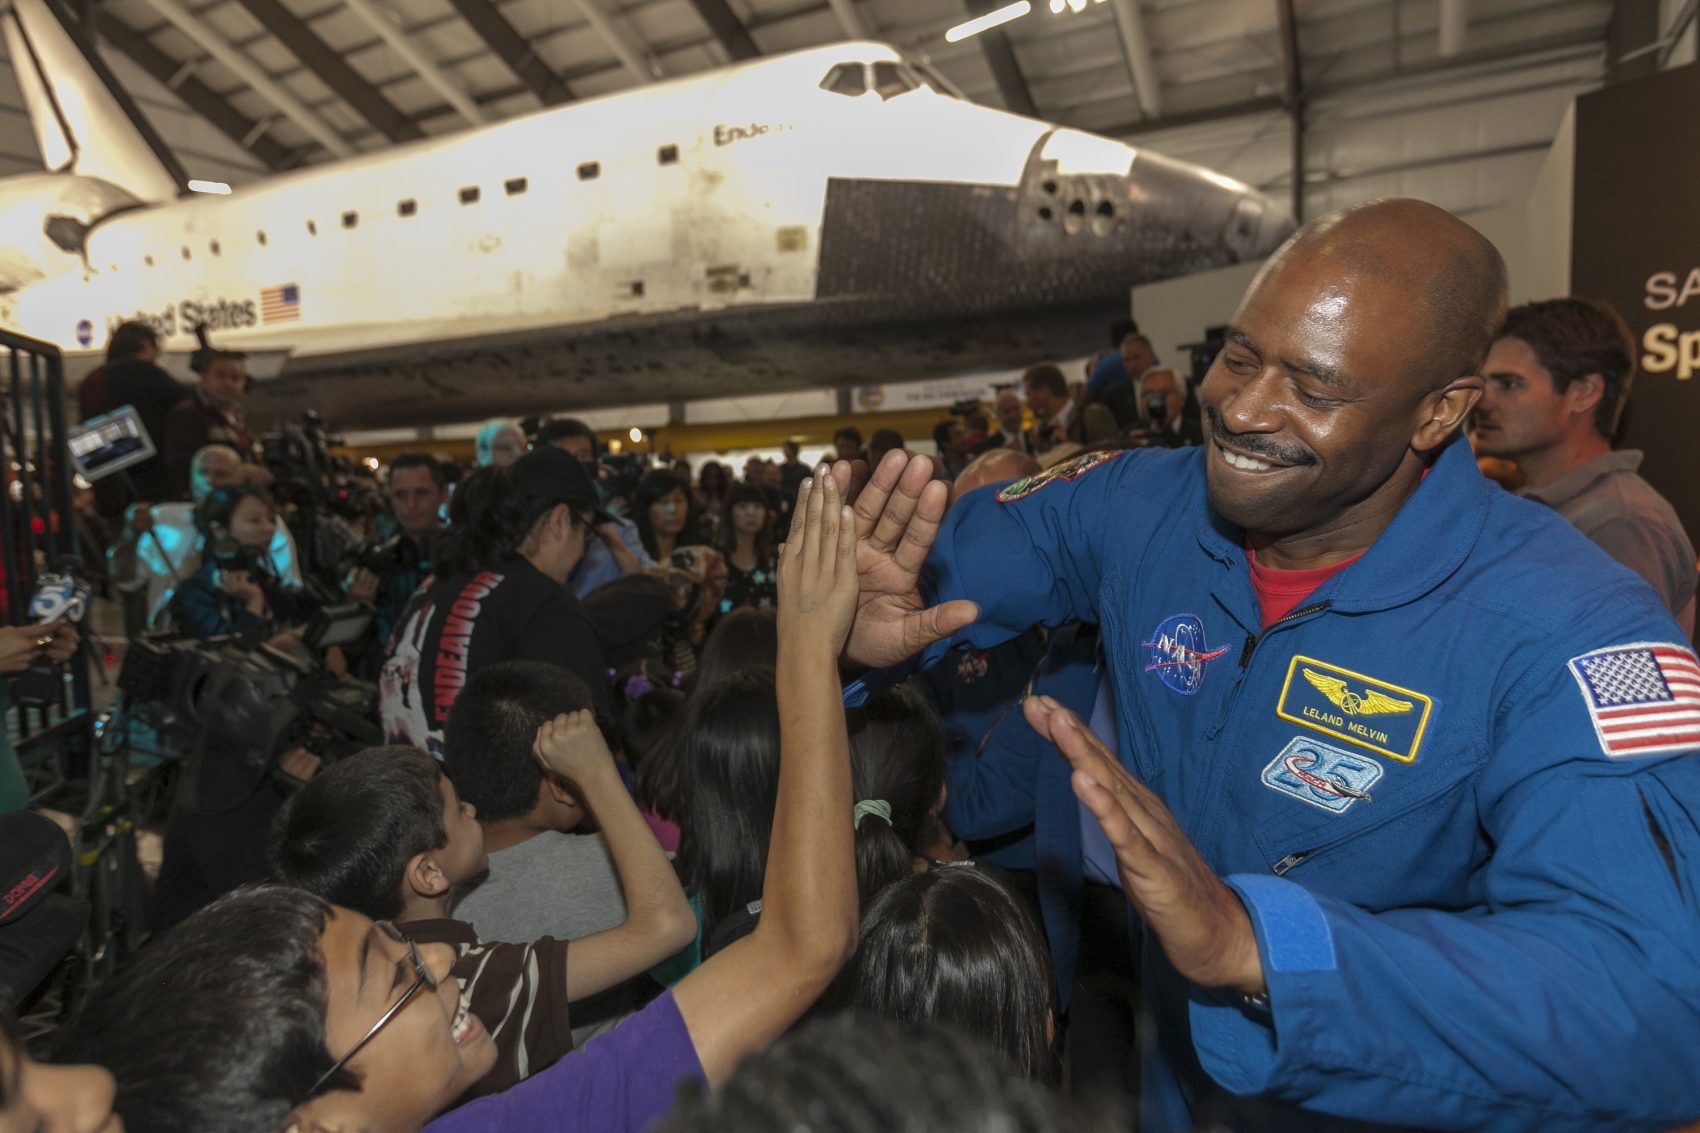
1204 929
897 514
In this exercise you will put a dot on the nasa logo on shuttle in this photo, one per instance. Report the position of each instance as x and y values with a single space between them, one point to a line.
85 332
726 135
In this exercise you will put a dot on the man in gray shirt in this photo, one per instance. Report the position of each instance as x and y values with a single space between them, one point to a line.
1557 381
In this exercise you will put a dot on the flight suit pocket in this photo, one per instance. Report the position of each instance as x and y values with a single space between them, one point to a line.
1370 833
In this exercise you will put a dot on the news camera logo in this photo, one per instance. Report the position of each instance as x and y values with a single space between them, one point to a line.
59 596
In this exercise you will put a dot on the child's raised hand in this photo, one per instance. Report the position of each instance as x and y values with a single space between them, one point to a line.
817 570
571 746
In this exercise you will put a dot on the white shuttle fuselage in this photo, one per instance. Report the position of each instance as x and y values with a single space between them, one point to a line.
805 219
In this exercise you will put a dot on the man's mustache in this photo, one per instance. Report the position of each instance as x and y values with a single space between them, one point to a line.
1255 444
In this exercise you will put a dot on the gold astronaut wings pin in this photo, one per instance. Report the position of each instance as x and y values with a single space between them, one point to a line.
1369 703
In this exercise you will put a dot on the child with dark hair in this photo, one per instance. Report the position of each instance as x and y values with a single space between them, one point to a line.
272 1009
954 945
384 833
543 879
743 640
897 768
869 1075
649 702
729 745
746 539
235 590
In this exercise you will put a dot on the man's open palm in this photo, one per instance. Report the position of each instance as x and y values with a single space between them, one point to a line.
897 518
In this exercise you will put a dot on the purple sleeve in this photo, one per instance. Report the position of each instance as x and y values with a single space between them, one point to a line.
620 1082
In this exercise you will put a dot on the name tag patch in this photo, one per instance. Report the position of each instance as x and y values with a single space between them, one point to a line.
1322 775
1370 713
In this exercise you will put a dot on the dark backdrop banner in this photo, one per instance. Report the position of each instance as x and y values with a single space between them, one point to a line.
1636 244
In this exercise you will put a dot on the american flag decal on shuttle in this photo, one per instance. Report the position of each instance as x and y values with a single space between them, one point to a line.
281 304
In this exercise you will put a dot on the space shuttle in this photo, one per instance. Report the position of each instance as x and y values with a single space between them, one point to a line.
831 217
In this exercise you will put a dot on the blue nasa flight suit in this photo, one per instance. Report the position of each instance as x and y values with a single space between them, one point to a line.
1470 916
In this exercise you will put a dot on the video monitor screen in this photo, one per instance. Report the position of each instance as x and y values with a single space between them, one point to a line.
110 443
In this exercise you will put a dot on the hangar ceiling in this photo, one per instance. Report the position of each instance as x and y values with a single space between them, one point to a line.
240 88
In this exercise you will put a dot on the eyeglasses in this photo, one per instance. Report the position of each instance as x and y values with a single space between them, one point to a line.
426 979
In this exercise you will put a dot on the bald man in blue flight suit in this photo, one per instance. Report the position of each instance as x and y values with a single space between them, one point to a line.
1406 794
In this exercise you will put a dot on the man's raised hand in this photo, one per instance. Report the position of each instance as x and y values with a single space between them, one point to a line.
897 515
1203 927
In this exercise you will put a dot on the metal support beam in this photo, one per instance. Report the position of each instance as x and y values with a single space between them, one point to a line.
849 19
194 94
390 32
1136 46
1538 52
641 66
1293 94
512 49
1006 68
729 32
333 70
1454 19
253 74
1632 41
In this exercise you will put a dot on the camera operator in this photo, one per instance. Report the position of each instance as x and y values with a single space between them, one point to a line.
1164 421
389 568
156 549
235 592
499 594
210 415
617 550
132 376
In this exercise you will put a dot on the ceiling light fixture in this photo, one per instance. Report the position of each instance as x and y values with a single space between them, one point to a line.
216 187
988 21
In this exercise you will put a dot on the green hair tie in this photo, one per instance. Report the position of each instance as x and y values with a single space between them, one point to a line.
879 808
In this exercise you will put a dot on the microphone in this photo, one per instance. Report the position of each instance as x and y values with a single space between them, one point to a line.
61 593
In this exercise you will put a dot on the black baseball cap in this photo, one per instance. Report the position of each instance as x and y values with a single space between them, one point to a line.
38 925
548 473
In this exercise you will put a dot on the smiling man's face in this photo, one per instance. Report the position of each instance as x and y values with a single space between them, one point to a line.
1313 403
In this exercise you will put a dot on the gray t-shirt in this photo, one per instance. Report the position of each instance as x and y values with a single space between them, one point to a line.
560 885
1608 502
554 884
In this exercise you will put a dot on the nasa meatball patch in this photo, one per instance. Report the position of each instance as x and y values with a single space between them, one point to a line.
1067 470
1177 653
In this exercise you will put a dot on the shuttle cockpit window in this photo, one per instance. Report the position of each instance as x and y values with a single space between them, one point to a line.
892 79
846 79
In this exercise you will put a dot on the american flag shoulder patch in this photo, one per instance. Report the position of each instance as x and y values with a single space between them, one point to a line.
1644 698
